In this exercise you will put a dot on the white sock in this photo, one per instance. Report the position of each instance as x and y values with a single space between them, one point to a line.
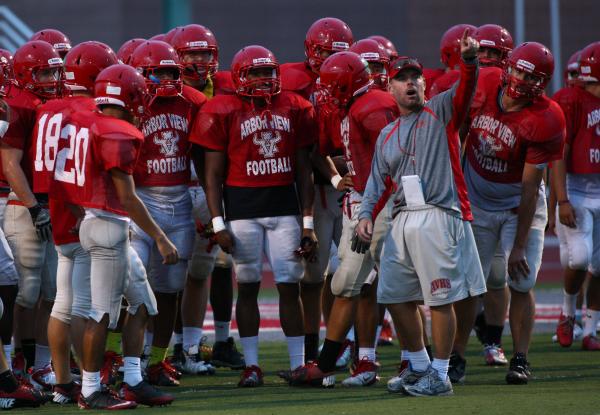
404 355
579 316
350 335
250 349
8 354
441 367
177 338
222 330
368 352
295 346
569 304
191 337
42 357
148 338
377 334
132 370
90 383
591 321
419 360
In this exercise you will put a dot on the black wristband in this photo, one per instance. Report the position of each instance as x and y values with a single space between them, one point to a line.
34 211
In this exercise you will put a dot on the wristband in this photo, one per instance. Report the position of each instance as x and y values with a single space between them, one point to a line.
218 224
308 222
335 180
563 202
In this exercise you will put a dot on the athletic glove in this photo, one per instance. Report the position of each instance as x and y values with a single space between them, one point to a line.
41 220
358 245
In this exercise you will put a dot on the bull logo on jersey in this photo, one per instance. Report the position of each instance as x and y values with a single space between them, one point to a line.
488 146
267 143
167 140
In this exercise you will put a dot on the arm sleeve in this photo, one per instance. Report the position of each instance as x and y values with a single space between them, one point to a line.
19 128
117 151
376 184
570 111
209 130
308 129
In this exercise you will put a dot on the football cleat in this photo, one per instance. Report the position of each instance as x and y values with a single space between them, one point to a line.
430 384
145 394
310 374
590 343
225 354
206 351
65 396
43 379
22 397
161 374
177 359
109 372
408 376
386 336
193 365
457 369
494 355
251 377
518 371
564 330
18 364
364 375
345 356
172 370
105 399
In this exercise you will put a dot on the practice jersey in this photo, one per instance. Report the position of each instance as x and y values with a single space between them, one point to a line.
430 76
101 143
499 143
426 144
298 77
260 144
165 156
23 105
444 82
359 129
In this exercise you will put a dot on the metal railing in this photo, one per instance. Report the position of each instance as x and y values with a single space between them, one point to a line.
13 31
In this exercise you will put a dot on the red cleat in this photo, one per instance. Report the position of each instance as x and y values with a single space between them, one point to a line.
564 330
18 365
386 337
159 374
145 394
590 343
310 374
22 397
105 399
252 376
109 372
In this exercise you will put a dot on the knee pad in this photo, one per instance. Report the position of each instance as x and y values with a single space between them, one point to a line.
578 257
496 279
29 288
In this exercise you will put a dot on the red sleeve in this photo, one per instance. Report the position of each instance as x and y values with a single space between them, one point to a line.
209 127
546 144
118 151
376 121
464 94
568 102
20 127
197 98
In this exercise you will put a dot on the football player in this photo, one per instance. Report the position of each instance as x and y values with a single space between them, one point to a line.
126 50
199 55
38 73
576 183
162 175
346 83
324 37
257 146
515 131
387 44
57 39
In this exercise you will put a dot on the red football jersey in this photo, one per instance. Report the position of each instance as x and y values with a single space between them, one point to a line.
500 143
63 223
430 76
83 164
359 130
299 78
330 138
165 156
582 114
444 83
222 84
260 142
23 105
48 131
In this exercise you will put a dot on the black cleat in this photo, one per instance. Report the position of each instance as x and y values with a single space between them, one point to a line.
225 354
518 372
457 369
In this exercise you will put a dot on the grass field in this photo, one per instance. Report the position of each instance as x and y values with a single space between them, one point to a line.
567 381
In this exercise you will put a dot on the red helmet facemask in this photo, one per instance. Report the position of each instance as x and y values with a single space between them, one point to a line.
250 59
497 38
151 59
532 58
374 53
342 77
327 34
32 58
197 38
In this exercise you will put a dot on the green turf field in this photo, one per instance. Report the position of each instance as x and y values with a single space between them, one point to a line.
566 382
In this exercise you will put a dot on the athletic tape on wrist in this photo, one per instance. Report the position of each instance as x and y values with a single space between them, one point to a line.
218 224
308 222
335 180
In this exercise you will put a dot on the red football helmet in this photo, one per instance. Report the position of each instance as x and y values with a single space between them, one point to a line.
343 76
195 37
495 37
160 36
589 63
374 52
450 44
387 44
126 50
6 71
154 55
33 57
122 85
252 58
571 73
532 58
56 38
170 35
84 62
326 35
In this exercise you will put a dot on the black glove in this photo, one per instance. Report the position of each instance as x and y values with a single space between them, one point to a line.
41 220
358 245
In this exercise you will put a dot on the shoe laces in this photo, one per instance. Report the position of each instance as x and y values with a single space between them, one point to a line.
365 365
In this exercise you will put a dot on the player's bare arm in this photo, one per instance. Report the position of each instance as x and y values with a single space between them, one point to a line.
566 213
11 167
125 188
306 191
214 163
327 167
